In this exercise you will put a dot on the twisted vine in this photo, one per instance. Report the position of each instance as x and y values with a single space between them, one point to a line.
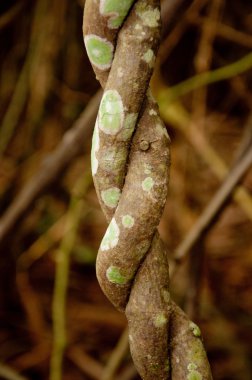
130 159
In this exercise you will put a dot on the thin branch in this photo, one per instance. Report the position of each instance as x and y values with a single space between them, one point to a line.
176 115
62 277
214 206
8 373
71 145
11 14
85 363
116 357
225 31
206 78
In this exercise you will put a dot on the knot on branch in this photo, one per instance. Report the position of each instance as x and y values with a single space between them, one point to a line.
130 163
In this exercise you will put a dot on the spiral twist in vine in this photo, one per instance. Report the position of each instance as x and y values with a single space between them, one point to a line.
130 161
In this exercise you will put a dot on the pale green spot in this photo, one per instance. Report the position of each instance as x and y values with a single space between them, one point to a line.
166 295
152 112
148 15
116 10
194 375
111 237
128 221
191 367
99 50
111 196
114 275
195 329
148 57
129 126
147 169
111 113
160 320
94 150
147 184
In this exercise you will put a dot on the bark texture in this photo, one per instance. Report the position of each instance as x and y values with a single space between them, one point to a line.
130 163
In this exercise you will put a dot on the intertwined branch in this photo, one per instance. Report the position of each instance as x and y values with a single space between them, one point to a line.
130 160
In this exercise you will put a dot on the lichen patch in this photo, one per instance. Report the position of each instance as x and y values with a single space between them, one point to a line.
149 57
100 51
111 237
95 149
111 196
147 184
160 320
128 221
111 114
115 276
115 10
195 329
149 16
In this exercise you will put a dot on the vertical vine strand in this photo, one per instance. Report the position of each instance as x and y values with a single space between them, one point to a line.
130 160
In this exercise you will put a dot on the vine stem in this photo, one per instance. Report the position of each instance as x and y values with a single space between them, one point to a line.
62 278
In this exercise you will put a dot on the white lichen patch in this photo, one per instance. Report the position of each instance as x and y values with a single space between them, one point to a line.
149 16
138 27
111 237
149 57
95 149
147 169
152 112
111 196
128 221
160 320
147 184
166 295
100 51
194 375
191 367
162 130
111 114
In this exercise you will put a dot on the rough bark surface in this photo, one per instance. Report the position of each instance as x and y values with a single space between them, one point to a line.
130 163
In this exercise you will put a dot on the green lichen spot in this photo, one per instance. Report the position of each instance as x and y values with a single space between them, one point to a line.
129 126
147 169
111 113
195 329
116 10
147 184
111 237
94 150
160 320
166 295
191 367
149 56
111 196
114 275
148 15
128 221
194 375
100 51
